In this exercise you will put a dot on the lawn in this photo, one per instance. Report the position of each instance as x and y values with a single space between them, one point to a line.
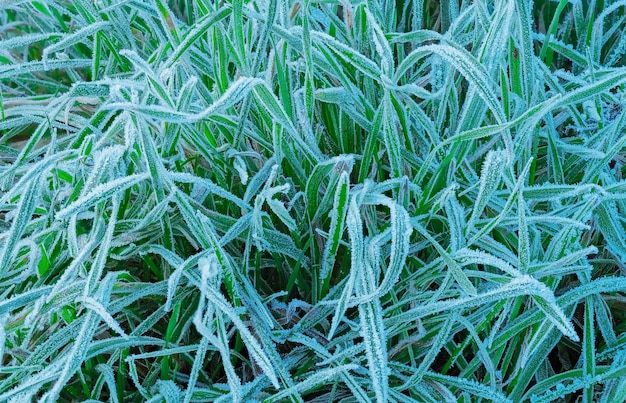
312 201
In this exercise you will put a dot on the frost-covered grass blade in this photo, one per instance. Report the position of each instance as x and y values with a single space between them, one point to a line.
312 201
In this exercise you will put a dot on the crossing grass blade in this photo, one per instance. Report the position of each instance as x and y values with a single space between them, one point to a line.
338 216
312 201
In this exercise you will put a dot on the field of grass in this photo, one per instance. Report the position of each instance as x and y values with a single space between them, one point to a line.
312 201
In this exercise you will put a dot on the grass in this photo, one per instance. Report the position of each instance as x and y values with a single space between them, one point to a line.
312 201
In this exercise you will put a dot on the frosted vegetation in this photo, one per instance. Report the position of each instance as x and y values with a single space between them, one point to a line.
312 201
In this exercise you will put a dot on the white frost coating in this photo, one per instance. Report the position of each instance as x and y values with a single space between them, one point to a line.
401 231
469 256
372 328
72 39
522 285
98 308
589 106
103 160
493 166
495 45
3 334
277 207
186 92
209 267
107 373
320 377
100 193
235 93
30 319
381 44
24 40
217 300
240 166
185 177
25 209
166 74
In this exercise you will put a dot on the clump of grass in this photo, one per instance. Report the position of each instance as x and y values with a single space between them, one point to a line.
312 201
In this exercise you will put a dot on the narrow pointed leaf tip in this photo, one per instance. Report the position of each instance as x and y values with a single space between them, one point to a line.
492 170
